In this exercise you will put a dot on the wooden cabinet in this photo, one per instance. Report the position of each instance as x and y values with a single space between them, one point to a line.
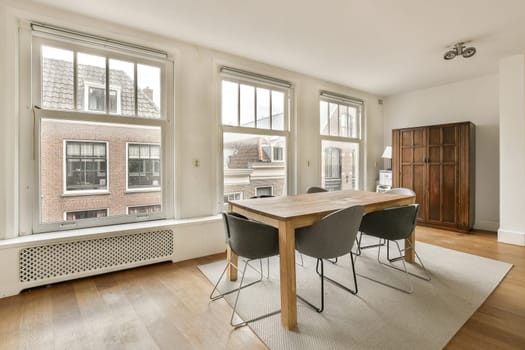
437 162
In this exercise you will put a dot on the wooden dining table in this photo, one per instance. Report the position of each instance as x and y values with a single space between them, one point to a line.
287 213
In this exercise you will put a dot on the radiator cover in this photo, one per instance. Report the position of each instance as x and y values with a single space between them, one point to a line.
66 260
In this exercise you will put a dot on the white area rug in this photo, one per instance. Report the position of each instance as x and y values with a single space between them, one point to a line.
377 317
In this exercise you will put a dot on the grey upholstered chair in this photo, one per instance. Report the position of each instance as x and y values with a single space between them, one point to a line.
392 225
250 240
315 189
331 237
395 190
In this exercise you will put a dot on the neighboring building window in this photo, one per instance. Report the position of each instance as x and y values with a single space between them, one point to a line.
255 123
94 87
144 209
86 166
232 196
264 191
86 214
340 121
143 166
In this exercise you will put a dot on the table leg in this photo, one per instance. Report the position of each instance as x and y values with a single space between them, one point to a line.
410 242
231 256
288 287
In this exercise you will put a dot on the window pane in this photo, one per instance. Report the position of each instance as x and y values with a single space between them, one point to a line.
83 167
354 122
149 91
143 166
324 118
343 120
247 167
86 214
247 105
263 108
91 83
230 105
144 209
57 79
333 116
340 165
277 110
122 87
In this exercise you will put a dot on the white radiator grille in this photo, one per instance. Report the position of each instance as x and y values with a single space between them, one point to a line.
71 258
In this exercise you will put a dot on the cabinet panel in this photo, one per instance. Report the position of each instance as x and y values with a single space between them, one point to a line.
434 193
448 191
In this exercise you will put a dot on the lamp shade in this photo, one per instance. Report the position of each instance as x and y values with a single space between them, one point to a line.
387 153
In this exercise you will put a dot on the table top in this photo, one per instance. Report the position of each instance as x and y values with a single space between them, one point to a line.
287 207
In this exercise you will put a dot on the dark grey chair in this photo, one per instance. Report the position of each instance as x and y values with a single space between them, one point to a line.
331 237
395 190
392 225
315 189
250 240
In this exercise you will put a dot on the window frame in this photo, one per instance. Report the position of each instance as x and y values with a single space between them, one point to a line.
350 102
88 192
143 189
142 206
258 187
30 126
287 133
78 211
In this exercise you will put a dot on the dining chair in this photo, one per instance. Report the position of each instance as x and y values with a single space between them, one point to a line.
331 237
395 190
250 240
392 225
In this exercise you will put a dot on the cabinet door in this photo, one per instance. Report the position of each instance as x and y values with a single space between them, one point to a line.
442 165
409 162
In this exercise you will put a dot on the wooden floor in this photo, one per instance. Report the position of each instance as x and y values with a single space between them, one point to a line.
166 306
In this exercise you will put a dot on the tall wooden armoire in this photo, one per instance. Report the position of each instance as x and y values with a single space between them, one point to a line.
438 163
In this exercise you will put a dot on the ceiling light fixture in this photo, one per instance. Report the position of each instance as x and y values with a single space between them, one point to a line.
459 49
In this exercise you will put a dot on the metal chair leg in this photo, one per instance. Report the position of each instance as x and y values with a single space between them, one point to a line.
405 270
244 323
318 309
360 248
221 295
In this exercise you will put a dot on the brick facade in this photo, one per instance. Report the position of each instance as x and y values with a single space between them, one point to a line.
55 202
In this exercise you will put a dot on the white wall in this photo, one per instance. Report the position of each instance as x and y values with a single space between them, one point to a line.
196 120
474 100
512 149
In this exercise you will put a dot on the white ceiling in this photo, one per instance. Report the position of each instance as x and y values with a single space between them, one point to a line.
381 46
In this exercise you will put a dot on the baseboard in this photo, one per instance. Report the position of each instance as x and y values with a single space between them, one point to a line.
511 237
486 225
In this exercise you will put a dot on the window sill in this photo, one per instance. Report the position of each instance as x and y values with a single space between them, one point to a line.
85 193
101 231
142 190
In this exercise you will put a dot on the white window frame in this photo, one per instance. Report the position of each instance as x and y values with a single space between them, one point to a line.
144 189
265 82
240 193
76 211
65 191
258 187
90 84
138 206
31 118
339 99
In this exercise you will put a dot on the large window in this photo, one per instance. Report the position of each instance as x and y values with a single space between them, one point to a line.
143 166
103 112
255 119
340 120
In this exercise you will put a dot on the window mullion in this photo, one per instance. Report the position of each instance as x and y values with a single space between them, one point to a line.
107 85
238 104
135 89
255 107
75 80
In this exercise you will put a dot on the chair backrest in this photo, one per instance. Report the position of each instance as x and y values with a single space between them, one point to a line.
391 223
401 190
315 189
332 236
250 239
